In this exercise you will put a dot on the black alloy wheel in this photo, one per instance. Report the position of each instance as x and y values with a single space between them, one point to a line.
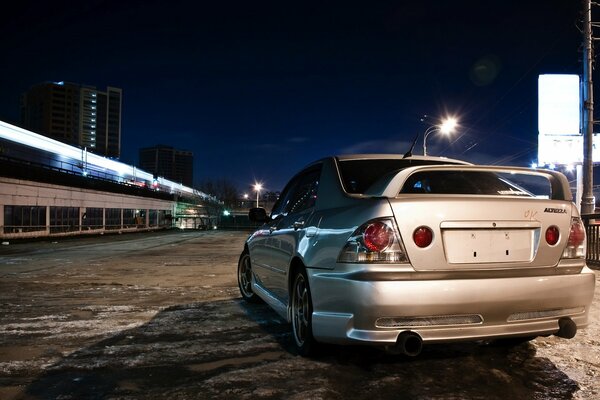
244 275
302 315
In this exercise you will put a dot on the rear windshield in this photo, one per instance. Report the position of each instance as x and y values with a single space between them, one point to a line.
476 183
359 175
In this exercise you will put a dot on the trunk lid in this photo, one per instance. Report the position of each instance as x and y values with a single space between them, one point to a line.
475 233
480 217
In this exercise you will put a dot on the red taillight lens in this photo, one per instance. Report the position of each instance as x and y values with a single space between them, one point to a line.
378 236
576 243
577 234
422 236
375 241
552 235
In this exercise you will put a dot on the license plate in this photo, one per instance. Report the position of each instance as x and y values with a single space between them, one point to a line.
488 246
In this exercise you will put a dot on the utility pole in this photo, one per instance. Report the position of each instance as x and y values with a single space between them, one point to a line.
587 199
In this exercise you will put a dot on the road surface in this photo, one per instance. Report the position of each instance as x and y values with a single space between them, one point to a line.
159 316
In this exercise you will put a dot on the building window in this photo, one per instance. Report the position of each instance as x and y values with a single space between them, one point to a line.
164 218
140 218
24 219
113 218
93 218
129 218
64 219
152 218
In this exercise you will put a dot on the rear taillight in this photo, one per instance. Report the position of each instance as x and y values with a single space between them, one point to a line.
577 233
422 236
378 236
552 235
376 241
576 242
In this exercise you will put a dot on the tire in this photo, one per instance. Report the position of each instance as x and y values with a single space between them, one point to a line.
301 307
244 274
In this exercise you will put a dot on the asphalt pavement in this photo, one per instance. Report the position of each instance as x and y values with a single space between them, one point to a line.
158 316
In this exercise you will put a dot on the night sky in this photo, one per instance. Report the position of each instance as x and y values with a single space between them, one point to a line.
259 89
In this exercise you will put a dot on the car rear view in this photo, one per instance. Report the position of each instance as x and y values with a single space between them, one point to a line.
403 251
466 253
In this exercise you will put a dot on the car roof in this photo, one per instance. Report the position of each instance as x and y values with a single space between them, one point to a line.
386 156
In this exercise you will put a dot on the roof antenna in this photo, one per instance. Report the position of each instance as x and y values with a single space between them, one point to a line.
409 152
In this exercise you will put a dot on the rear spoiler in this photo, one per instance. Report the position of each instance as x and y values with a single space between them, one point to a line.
390 185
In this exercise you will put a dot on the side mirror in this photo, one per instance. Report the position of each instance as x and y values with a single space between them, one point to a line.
258 215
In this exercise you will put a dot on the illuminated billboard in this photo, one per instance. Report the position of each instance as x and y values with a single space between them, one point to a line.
559 140
558 105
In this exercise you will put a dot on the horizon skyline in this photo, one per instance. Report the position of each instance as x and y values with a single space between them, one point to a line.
256 92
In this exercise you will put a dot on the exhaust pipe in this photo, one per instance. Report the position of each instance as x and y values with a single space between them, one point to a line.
566 328
409 343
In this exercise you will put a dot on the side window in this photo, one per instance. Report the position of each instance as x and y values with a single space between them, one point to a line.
300 194
305 195
282 203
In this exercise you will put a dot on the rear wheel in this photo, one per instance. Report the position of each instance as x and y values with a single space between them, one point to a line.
302 315
245 278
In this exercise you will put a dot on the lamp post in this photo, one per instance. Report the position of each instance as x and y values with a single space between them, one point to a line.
258 188
447 126
427 132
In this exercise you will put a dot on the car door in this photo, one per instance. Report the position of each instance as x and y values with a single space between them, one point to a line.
263 246
289 221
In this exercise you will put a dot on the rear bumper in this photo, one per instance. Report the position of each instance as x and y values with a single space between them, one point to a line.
347 310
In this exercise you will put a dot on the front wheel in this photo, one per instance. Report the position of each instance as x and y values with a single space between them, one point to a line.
302 315
244 275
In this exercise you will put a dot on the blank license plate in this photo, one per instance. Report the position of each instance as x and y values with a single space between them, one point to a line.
488 246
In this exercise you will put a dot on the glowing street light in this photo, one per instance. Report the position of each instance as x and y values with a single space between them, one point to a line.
258 188
446 127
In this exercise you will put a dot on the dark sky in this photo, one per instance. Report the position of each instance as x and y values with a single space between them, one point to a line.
259 89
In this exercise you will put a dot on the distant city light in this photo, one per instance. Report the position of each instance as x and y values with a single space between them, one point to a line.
257 188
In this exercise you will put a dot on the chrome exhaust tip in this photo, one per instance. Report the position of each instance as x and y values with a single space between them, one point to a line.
566 328
409 343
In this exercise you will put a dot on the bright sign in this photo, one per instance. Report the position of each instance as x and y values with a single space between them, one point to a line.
560 140
558 105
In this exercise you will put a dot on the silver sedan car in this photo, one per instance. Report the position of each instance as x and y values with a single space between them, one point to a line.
401 251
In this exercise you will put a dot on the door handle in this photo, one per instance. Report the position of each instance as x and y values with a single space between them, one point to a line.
298 224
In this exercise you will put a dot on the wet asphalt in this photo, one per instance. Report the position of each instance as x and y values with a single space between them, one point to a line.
159 316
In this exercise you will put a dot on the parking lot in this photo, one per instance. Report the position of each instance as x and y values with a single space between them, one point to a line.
159 316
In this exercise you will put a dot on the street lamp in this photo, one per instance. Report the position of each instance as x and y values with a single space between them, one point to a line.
258 188
447 126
